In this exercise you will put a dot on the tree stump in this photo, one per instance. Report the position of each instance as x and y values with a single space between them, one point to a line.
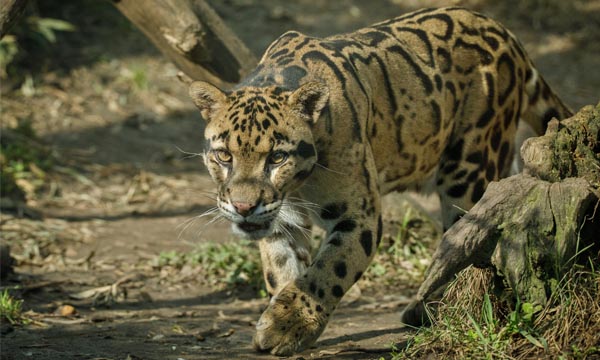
531 227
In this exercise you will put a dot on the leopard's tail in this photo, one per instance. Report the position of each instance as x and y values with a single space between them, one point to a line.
542 104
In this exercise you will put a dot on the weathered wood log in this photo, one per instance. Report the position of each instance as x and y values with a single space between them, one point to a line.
10 12
530 227
192 35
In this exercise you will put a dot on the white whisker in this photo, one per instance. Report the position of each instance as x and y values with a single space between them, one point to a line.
328 169
214 220
189 154
189 222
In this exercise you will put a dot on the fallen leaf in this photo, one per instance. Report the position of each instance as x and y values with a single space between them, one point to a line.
65 310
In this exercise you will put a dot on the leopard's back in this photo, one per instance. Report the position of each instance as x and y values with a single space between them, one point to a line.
437 93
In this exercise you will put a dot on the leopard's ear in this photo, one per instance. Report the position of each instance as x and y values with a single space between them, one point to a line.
309 100
207 98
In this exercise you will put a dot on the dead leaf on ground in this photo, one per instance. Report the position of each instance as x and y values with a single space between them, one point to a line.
65 310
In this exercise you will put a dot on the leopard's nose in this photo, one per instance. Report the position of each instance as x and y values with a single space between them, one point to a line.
243 208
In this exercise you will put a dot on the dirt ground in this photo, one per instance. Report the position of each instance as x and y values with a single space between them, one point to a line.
126 183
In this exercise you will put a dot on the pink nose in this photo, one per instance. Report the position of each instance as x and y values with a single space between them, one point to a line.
243 208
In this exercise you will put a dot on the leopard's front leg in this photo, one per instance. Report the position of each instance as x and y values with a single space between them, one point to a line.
285 256
298 314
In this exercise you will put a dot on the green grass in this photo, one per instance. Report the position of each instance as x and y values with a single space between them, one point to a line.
223 264
473 322
11 308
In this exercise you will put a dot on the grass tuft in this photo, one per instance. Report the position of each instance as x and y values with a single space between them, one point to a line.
11 308
222 264
470 322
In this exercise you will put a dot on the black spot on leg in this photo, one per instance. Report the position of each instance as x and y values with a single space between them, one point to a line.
271 280
340 269
457 191
474 157
321 293
490 172
450 167
503 154
357 276
454 152
319 308
334 211
478 190
366 240
345 226
337 291
335 240
460 174
473 175
496 137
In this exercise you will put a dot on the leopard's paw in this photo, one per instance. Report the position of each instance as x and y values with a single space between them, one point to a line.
291 323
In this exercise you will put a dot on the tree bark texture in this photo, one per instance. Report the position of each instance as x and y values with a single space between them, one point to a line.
530 227
10 12
192 35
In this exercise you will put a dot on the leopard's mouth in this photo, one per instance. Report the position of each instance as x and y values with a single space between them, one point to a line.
250 227
253 231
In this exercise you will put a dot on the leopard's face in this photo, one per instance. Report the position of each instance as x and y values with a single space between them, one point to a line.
259 149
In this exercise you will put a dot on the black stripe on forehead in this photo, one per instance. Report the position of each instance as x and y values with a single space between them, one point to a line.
280 138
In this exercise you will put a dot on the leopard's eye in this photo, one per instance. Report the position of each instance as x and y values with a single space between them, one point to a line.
223 156
278 157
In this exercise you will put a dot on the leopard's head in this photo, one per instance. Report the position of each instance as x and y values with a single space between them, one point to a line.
259 149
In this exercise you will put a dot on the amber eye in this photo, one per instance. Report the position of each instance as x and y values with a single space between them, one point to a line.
223 156
278 158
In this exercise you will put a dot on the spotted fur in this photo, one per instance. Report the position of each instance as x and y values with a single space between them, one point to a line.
323 127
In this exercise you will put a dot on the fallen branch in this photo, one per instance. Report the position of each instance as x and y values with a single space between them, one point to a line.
193 36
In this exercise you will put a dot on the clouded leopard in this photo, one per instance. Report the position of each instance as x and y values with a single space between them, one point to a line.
324 127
